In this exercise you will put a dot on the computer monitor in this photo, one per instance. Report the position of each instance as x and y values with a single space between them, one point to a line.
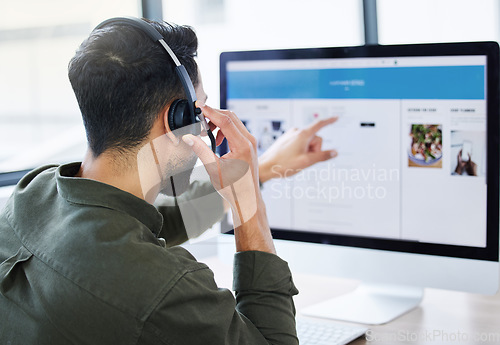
412 199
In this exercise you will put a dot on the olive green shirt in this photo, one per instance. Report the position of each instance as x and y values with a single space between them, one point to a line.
82 262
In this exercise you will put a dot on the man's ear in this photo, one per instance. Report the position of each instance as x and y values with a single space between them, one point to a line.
168 132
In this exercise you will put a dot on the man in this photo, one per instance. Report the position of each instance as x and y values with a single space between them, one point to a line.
85 258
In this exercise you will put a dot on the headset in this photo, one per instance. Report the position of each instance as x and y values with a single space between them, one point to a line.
182 112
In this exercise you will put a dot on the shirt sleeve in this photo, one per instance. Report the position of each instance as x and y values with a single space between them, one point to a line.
190 214
197 312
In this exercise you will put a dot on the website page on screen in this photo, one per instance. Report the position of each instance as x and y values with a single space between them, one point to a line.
410 136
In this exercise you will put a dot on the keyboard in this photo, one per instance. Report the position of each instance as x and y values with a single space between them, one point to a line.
316 332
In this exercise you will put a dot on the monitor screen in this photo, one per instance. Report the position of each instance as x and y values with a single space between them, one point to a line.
417 140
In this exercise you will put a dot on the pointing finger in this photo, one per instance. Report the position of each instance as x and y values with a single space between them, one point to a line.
316 126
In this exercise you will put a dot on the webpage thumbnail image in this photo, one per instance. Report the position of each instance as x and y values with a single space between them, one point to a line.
468 153
265 130
426 146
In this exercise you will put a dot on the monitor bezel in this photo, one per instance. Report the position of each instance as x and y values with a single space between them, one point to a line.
488 49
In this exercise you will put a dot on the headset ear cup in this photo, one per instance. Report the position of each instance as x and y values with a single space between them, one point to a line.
180 118
177 114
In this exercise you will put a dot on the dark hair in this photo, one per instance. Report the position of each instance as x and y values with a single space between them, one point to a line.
123 80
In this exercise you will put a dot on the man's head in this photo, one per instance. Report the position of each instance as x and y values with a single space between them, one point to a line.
124 82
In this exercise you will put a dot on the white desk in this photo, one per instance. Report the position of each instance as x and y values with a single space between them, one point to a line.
443 317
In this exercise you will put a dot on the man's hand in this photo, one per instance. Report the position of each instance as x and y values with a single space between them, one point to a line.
295 150
235 176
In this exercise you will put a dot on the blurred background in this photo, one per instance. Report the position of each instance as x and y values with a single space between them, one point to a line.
40 121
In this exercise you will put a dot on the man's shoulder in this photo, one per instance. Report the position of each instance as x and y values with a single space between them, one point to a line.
37 178
129 274
96 246
121 262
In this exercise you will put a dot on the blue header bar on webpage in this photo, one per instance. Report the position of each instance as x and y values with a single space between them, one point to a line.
423 82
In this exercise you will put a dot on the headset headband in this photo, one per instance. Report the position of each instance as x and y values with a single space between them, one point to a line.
157 37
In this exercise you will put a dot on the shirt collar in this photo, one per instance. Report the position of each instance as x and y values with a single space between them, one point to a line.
90 192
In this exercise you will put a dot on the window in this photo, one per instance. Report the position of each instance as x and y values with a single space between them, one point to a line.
40 120
417 21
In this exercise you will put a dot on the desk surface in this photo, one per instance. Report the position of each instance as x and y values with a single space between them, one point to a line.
443 317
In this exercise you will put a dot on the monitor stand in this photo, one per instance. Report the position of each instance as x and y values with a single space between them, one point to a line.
369 304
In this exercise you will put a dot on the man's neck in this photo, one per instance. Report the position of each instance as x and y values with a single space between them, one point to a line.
109 169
